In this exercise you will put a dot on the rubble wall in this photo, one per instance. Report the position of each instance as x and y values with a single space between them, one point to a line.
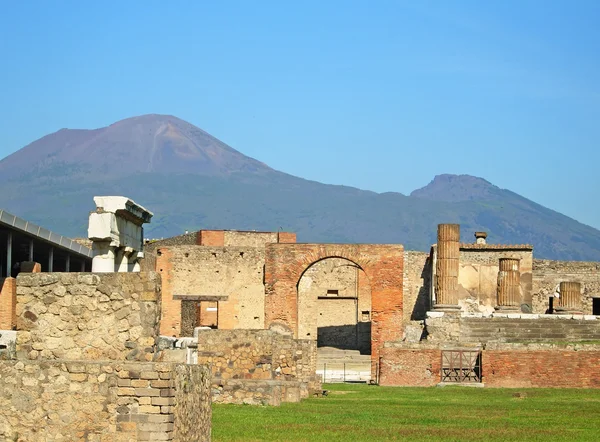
548 274
112 316
101 401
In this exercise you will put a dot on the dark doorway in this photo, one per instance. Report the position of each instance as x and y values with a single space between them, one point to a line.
596 306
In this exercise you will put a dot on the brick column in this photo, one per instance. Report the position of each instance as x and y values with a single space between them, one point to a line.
8 304
446 282
570 298
509 285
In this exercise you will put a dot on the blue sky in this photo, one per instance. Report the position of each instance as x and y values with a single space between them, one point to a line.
381 95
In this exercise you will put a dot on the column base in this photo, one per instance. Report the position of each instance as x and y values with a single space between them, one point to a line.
566 311
447 308
508 308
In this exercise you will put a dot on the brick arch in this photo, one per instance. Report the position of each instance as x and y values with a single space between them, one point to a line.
382 264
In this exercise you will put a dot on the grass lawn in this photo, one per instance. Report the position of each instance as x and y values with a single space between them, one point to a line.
357 412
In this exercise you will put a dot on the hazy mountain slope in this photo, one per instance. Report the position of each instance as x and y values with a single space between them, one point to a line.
190 180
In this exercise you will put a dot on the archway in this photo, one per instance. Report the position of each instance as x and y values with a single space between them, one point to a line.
334 305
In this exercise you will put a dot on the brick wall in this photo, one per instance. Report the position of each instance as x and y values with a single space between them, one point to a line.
214 238
102 401
286 237
87 316
512 368
382 264
8 303
234 272
409 367
527 368
548 274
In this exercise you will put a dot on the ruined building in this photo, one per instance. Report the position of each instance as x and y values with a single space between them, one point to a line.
140 347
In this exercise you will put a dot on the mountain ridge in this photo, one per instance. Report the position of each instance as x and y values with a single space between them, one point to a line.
191 180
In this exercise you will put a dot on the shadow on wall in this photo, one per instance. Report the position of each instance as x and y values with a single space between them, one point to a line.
346 337
423 301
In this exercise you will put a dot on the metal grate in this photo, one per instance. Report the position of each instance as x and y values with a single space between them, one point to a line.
461 366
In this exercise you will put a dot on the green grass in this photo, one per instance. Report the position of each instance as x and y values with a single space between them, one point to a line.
354 412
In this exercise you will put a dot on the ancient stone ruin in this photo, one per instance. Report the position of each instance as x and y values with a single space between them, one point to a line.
140 347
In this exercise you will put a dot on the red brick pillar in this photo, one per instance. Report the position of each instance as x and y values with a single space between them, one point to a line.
509 285
8 304
446 282
570 298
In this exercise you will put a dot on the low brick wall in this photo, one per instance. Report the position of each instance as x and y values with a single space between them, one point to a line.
245 364
552 368
410 367
102 401
519 366
87 316
8 303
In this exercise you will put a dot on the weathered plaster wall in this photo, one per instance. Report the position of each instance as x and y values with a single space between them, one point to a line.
478 277
101 401
257 355
417 285
548 274
235 272
334 304
87 316
240 238
382 264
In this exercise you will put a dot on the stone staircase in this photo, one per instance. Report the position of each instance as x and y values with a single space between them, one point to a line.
521 330
335 365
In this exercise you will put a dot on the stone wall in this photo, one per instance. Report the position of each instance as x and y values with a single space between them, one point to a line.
334 303
8 303
234 273
87 316
258 366
478 276
417 285
101 401
148 263
240 238
548 274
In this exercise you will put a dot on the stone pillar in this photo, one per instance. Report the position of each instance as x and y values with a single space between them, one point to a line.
570 298
104 257
446 282
509 285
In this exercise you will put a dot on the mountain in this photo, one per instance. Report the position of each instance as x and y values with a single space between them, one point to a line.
191 180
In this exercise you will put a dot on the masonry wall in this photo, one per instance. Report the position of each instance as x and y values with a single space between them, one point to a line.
148 263
233 272
382 264
527 368
417 285
258 366
102 401
87 316
548 274
518 367
478 277
334 304
239 238
409 367
8 303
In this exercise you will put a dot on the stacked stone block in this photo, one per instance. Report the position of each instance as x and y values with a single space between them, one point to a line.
509 285
447 265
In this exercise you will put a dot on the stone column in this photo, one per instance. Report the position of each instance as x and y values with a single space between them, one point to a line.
509 285
446 282
570 298
104 257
